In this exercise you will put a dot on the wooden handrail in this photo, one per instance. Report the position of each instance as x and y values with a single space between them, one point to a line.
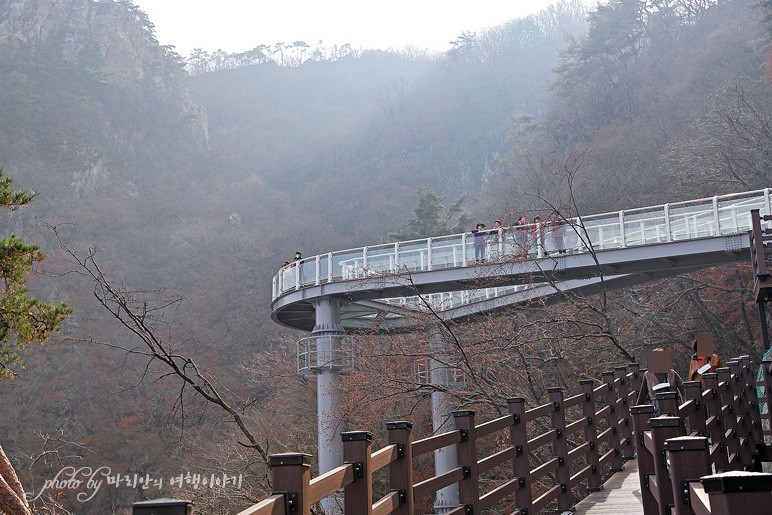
355 476
722 420
273 505
435 442
332 481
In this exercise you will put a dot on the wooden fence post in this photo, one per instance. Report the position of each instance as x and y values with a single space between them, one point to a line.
689 460
636 378
766 376
753 407
560 448
358 496
729 418
744 436
693 391
668 403
291 475
641 419
591 435
518 438
627 449
469 488
610 397
663 428
714 424
401 470
738 493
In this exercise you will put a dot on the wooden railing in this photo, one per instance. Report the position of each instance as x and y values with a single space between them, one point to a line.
588 436
718 429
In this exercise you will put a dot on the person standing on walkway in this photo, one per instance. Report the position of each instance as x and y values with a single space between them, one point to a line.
298 258
660 377
521 237
557 229
480 240
704 360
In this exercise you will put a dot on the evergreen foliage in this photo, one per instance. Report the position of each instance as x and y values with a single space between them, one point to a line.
23 319
433 218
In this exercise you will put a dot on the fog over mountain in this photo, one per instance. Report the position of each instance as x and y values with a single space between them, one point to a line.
197 178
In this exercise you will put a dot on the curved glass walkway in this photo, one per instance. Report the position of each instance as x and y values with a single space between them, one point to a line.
381 282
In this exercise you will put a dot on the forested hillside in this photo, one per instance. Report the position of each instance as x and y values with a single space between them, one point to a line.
184 185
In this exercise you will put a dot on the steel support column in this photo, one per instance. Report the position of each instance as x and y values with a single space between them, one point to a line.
328 332
445 459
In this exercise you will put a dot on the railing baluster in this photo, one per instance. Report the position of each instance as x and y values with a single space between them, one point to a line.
358 496
469 490
742 424
560 448
668 403
627 450
730 418
693 391
401 470
291 476
591 435
641 423
752 405
662 429
610 397
716 431
518 437
689 460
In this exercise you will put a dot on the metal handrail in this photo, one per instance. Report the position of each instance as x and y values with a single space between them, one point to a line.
690 219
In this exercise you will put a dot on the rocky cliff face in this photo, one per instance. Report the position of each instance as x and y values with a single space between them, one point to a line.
114 34
108 97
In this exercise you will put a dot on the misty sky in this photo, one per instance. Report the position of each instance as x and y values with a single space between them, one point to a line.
239 25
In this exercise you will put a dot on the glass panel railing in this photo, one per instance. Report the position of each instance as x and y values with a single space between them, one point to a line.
603 233
728 214
287 278
735 213
347 264
643 227
693 219
306 270
414 255
324 268
380 259
447 252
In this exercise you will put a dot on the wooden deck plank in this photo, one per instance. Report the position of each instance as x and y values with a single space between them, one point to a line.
621 494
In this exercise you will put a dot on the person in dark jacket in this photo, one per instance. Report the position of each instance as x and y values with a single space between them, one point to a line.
480 240
660 377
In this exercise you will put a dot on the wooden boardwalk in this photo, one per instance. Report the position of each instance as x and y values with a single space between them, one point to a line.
621 494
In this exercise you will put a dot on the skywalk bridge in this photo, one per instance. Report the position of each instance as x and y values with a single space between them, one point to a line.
381 287
378 286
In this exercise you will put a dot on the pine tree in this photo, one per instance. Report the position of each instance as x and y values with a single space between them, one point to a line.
23 320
